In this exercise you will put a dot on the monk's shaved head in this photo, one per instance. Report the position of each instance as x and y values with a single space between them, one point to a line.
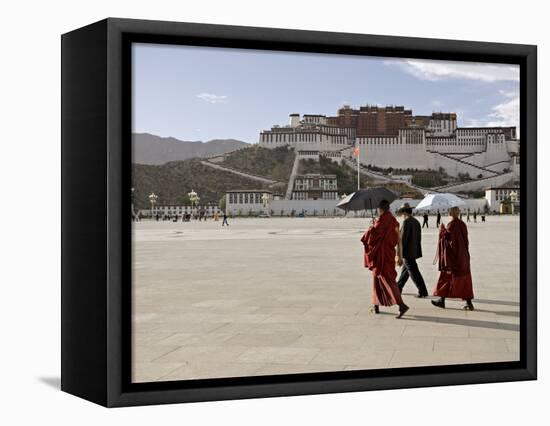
454 212
384 205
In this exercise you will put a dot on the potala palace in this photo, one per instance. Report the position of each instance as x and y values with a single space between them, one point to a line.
392 137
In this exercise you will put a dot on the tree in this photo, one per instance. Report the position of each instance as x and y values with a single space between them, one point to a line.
183 200
222 203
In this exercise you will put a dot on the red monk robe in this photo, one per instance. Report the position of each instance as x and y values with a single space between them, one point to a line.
454 257
380 241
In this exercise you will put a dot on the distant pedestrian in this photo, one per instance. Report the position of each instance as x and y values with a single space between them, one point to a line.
438 221
475 217
225 222
483 218
425 223
468 216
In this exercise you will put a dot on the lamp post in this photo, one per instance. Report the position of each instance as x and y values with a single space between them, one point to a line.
193 198
265 201
132 204
153 200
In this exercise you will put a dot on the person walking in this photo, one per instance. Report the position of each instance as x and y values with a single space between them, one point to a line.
224 221
410 249
475 216
455 278
425 222
438 220
380 242
468 216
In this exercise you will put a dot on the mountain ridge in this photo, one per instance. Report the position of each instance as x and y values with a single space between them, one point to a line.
151 149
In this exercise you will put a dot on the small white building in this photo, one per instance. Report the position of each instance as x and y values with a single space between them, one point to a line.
496 196
246 202
179 210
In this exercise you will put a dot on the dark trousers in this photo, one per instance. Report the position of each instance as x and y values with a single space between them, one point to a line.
425 223
410 268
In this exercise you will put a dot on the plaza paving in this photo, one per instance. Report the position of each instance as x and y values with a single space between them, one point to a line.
282 295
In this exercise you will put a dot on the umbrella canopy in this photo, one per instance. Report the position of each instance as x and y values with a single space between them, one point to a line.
442 201
365 199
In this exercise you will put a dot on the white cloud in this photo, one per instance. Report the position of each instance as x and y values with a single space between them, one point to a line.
440 70
213 99
505 113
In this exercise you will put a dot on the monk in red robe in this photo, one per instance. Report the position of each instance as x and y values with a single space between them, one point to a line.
380 241
455 278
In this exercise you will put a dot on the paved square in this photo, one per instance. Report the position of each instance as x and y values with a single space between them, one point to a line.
282 295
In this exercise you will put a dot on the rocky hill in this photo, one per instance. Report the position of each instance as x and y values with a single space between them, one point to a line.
274 163
172 181
211 180
151 149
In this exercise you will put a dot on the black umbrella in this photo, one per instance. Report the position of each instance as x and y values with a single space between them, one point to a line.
365 199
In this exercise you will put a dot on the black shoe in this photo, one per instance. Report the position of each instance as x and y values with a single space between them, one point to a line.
469 306
439 303
374 309
421 296
402 310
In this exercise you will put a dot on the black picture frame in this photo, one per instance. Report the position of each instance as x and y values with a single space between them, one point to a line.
96 280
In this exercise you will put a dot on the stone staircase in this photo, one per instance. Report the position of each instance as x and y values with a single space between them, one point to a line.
482 170
292 177
240 173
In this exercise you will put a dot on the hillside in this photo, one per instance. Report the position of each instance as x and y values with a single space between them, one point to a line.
151 149
274 163
172 181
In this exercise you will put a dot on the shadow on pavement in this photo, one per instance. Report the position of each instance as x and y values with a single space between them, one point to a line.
476 300
465 322
496 302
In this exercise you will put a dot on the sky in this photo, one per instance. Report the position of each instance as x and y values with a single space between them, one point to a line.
204 93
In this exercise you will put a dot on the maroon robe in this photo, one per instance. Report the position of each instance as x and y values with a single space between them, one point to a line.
454 257
380 241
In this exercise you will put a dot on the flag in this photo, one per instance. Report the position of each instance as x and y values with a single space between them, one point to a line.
356 152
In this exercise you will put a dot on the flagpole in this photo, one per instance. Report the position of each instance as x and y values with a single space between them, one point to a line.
357 154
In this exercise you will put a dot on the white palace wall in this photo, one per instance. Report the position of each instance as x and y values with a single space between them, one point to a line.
415 156
288 207
476 154
395 155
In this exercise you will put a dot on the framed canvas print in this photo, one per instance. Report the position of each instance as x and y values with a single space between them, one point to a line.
254 212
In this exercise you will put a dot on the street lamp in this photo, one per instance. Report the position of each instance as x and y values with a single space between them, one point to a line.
265 201
132 204
193 198
153 200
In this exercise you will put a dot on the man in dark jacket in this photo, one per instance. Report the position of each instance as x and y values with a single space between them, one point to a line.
410 250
